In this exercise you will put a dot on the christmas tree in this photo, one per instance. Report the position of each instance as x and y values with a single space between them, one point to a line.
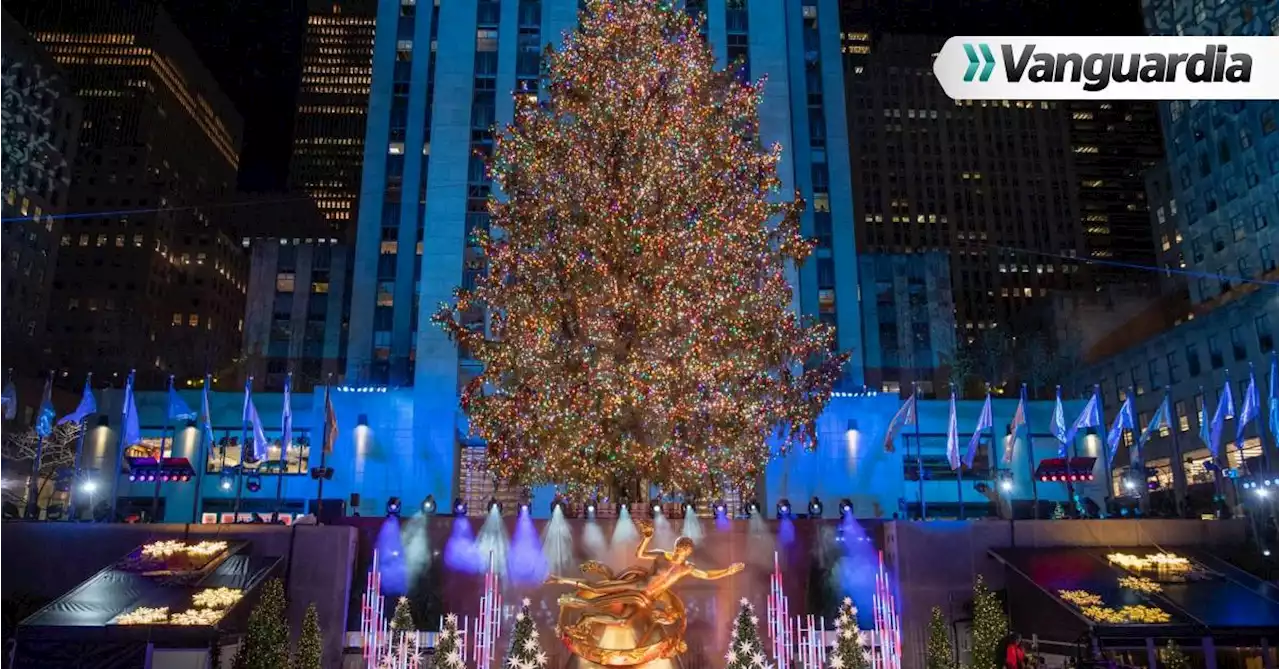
640 315
310 651
525 652
848 652
1058 512
266 643
990 628
1172 657
448 654
745 648
939 654
402 621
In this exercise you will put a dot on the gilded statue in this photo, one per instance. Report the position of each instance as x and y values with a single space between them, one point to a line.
636 601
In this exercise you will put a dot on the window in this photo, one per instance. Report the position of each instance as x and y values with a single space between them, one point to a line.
320 287
1180 411
1264 254
284 282
386 293
177 319
1171 361
1259 217
1153 371
1136 380
1193 360
193 320
1215 353
1238 350
389 248
1266 334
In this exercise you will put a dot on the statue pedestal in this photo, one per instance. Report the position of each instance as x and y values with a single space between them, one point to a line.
620 638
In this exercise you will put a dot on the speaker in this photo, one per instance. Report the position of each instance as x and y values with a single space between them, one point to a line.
355 501
330 510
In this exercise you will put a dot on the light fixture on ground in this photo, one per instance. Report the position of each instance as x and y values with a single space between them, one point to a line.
253 483
459 507
393 507
591 509
557 503
227 481
783 508
655 509
89 486
846 507
1006 480
690 506
719 509
751 508
494 505
429 505
815 507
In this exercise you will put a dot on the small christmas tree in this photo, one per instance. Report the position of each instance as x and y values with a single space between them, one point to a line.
990 627
848 652
402 621
1058 512
448 653
310 651
745 648
939 652
525 651
1172 657
266 644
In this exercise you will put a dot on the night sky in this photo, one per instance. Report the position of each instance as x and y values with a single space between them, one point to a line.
254 49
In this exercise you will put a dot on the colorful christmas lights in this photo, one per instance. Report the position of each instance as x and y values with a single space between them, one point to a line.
639 314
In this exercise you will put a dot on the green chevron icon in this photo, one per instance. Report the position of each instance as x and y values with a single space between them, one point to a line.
987 58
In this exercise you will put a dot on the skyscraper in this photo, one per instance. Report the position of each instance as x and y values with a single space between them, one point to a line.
147 275
333 100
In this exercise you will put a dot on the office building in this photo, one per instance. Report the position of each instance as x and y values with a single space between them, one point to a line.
1220 214
333 100
296 307
910 329
41 134
147 275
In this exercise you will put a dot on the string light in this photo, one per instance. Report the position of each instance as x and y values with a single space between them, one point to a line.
217 598
640 316
1140 583
143 616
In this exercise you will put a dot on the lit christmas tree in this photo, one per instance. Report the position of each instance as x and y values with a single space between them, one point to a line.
525 651
1059 513
939 653
745 648
310 651
402 621
640 316
1172 657
990 627
448 653
848 652
266 642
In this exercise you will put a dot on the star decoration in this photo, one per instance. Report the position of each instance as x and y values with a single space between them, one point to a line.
744 602
513 662
451 619
531 645
837 662
848 601
519 617
846 633
525 602
758 657
540 658
755 620
731 657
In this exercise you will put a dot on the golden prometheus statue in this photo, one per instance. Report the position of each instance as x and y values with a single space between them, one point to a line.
631 617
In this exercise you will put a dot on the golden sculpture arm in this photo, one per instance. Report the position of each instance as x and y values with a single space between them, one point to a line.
642 551
718 573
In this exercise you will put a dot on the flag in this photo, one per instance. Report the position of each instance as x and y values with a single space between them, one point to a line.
1059 427
1226 406
1248 408
953 436
44 419
1124 421
906 416
258 439
132 433
984 423
207 418
87 405
10 400
1204 421
1015 426
1091 416
178 409
1275 402
1161 419
330 422
286 421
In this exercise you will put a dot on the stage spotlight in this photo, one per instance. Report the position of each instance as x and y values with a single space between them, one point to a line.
815 508
253 483
557 503
1129 484
89 486
227 481
494 504
750 508
655 509
591 510
1006 485
720 509
393 507
1261 492
690 507
133 478
783 508
846 507
459 507
429 505
524 508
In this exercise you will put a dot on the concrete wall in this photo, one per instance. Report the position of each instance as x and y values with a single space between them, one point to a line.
936 563
46 560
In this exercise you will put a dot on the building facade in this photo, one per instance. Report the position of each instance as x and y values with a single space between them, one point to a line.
147 275
41 135
910 329
333 100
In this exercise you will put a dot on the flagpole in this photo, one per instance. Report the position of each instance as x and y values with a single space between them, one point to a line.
124 426
1101 431
1071 490
283 460
1178 470
324 448
75 470
244 439
919 452
204 462
1031 459
33 489
960 469
1257 422
995 458
168 421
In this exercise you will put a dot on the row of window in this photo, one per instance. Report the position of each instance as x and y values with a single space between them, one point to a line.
1169 370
